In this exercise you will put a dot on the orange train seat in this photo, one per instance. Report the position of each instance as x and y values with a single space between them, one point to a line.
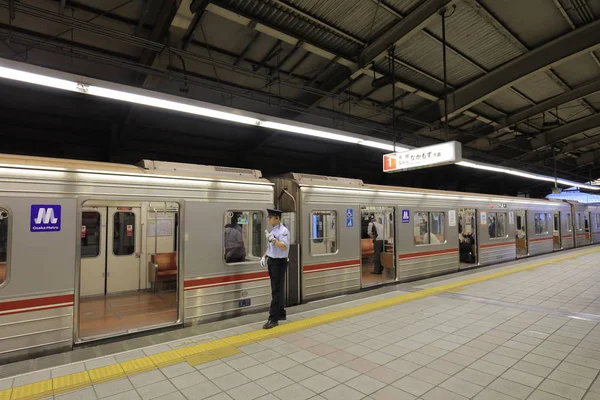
162 267
367 247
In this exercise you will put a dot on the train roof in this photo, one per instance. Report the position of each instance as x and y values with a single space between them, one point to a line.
311 180
143 168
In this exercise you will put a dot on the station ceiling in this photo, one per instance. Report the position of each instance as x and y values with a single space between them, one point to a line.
523 80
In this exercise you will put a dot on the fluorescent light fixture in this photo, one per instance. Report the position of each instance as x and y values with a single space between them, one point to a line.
527 175
309 132
382 146
37 79
27 73
168 105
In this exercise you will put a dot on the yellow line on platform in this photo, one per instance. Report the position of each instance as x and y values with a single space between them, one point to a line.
225 347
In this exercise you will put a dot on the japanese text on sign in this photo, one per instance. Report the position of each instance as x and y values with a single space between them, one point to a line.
430 156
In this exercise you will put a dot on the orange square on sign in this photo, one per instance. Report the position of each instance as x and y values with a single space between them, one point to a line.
389 162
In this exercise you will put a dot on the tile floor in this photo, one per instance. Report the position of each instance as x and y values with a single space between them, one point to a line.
532 335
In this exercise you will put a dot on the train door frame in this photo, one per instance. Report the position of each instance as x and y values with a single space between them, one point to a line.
384 210
474 236
141 240
557 230
523 216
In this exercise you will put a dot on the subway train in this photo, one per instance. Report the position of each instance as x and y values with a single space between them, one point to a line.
91 251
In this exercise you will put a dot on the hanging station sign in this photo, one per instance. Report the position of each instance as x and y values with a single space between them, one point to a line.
423 157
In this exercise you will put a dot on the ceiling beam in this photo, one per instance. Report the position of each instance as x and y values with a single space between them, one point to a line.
589 158
398 34
245 19
246 50
577 93
402 31
166 14
569 148
563 48
562 132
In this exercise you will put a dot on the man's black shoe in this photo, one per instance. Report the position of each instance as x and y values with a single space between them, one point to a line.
282 318
270 324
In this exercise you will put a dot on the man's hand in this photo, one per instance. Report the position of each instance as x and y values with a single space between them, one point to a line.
269 236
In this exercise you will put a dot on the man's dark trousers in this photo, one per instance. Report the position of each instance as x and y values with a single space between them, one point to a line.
277 269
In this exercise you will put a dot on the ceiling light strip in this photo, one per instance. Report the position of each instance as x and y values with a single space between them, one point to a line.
31 74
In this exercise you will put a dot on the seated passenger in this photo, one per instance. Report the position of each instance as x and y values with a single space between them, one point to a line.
234 244
492 229
432 238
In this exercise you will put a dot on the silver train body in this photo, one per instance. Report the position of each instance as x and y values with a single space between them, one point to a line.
49 264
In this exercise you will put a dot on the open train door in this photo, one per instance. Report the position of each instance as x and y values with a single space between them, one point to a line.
128 276
521 234
556 232
467 237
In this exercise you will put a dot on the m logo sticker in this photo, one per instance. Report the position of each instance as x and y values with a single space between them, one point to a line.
45 218
405 216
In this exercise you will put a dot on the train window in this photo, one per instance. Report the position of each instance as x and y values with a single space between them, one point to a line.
4 231
579 222
569 223
556 223
323 232
597 219
429 227
497 225
123 233
540 223
242 236
90 234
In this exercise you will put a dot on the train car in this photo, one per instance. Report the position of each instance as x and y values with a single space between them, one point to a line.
423 233
93 250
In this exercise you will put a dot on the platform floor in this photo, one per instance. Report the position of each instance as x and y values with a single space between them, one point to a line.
525 330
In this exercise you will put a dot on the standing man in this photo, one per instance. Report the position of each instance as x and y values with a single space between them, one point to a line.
276 259
375 231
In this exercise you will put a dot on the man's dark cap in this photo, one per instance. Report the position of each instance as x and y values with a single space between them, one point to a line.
274 213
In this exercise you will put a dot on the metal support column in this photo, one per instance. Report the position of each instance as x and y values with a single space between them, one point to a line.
443 14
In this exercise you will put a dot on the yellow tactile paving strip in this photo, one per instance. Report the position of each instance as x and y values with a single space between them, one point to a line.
221 348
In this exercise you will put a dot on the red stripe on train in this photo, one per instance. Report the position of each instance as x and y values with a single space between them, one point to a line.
40 303
541 239
427 253
225 280
487 246
331 265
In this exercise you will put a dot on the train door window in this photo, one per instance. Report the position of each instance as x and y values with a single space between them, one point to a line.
4 242
90 234
597 220
556 223
569 223
497 225
429 228
579 222
323 232
540 223
243 235
123 233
